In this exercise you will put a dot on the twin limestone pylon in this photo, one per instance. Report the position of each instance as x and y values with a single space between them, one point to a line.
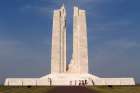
58 55
79 61
77 71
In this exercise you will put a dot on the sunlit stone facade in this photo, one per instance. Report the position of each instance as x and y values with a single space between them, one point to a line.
79 61
58 54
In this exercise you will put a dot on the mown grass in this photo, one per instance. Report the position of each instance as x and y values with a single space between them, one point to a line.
99 89
116 89
16 89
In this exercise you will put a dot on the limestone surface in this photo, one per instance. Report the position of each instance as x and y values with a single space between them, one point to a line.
79 61
58 50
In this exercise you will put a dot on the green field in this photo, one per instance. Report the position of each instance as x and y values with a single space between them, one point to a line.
117 89
25 89
95 89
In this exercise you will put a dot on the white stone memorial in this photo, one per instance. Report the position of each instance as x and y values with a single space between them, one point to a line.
76 73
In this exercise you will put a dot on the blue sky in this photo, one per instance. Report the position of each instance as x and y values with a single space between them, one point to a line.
113 36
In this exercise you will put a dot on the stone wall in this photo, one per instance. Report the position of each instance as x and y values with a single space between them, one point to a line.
65 79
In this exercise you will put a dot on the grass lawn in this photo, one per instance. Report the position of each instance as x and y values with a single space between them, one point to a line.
117 89
25 89
96 89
